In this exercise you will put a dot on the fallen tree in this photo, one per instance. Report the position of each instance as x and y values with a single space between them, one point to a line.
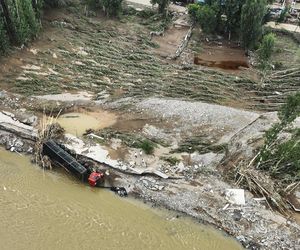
278 161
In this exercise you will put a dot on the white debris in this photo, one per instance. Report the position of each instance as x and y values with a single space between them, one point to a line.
68 97
236 196
33 51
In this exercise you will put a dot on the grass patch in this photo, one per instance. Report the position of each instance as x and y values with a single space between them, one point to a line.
147 146
286 51
170 159
129 139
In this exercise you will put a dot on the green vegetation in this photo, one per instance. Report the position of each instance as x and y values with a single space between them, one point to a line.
4 42
283 15
265 51
281 158
129 139
242 19
19 22
170 159
111 8
267 46
146 145
233 10
205 16
253 12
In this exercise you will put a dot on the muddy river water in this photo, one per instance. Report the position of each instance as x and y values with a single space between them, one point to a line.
51 210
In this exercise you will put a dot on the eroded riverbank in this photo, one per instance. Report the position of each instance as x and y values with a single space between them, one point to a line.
196 186
51 210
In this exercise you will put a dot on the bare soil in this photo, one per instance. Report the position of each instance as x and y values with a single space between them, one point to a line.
169 42
222 55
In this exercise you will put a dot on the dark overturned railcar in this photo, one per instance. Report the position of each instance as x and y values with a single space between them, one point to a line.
61 157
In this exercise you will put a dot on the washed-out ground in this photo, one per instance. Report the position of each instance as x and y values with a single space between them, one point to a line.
112 75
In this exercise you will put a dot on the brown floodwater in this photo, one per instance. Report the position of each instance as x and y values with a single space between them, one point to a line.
51 210
77 123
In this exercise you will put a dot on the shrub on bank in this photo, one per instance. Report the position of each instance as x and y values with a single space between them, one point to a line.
4 43
266 47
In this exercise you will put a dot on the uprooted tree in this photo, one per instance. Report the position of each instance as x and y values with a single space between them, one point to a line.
281 157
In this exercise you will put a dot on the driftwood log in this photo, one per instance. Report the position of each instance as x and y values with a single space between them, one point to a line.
183 44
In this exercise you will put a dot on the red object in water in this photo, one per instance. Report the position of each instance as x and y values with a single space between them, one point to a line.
95 178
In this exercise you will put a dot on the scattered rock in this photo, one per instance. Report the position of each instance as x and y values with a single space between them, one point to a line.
2 94
31 121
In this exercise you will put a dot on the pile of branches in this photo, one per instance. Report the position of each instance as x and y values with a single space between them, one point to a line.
262 186
274 172
281 158
48 129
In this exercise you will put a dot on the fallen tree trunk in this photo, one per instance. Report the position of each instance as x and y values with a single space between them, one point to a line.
183 44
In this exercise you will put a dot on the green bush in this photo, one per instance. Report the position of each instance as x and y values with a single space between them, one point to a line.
4 42
147 146
266 47
23 20
172 160
29 17
193 11
204 15
291 109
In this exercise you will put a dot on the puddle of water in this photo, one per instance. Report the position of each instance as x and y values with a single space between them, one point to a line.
222 57
77 123
49 210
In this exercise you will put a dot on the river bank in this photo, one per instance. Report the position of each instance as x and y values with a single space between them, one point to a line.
195 186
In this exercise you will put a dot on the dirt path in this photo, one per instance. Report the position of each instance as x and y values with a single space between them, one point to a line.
285 26
170 41
171 38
